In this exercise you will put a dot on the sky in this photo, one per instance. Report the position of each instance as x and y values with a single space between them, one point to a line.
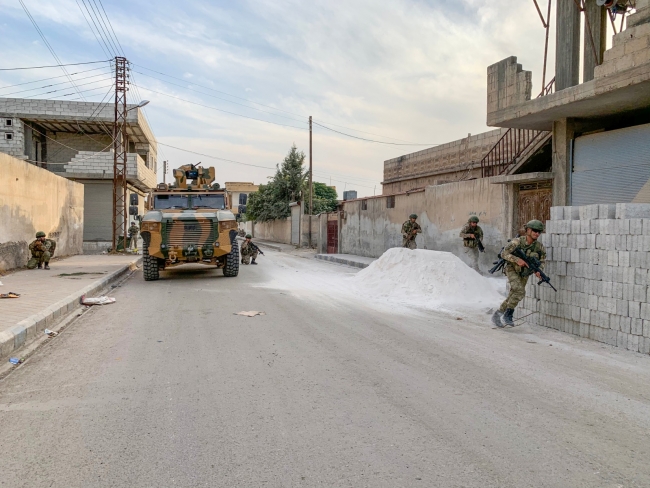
398 71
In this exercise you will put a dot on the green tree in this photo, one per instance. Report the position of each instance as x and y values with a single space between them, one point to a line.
272 200
325 198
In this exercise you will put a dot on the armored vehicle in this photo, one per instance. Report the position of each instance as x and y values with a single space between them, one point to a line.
188 222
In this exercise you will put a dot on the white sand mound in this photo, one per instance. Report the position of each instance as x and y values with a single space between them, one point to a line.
426 279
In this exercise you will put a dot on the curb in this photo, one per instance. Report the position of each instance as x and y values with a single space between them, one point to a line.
348 262
30 328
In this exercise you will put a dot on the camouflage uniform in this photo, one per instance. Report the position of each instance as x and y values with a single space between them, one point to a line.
408 239
471 244
247 252
134 230
517 278
42 252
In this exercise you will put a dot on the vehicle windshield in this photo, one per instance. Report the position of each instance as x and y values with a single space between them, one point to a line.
171 201
216 201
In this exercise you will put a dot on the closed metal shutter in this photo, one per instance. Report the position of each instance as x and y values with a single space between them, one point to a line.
612 167
98 211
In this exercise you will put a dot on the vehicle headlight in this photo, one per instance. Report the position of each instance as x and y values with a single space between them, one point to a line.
150 226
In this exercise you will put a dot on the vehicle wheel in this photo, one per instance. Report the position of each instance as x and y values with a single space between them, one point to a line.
149 265
231 268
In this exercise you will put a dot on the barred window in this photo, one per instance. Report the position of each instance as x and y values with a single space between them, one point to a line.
390 201
364 204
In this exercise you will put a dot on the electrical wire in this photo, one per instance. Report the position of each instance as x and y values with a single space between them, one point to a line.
111 25
55 84
218 109
54 65
372 140
102 23
59 89
51 78
91 29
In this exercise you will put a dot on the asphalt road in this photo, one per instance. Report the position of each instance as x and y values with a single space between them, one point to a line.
167 388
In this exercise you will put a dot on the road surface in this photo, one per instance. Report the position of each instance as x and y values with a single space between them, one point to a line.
167 388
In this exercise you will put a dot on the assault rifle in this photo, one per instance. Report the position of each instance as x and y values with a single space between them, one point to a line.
534 266
410 236
499 263
480 245
255 248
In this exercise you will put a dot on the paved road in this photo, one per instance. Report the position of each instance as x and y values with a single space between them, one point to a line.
168 388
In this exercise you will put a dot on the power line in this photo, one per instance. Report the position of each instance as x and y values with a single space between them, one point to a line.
54 65
218 109
91 29
102 34
372 140
55 84
111 25
101 17
50 78
54 91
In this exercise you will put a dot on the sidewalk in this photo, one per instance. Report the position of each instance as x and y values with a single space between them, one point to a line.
47 295
347 259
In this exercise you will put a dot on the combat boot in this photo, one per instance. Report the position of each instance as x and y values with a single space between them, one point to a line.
253 262
507 317
496 319
47 266
39 266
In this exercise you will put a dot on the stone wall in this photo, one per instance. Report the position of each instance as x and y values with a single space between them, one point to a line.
371 226
599 260
34 199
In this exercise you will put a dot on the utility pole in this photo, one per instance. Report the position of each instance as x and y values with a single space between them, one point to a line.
120 214
311 185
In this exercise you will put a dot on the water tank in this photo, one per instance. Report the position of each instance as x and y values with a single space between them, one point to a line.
350 195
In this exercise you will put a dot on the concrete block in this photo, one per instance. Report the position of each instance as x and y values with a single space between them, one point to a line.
636 227
585 315
637 327
581 240
633 343
617 291
634 310
644 345
557 213
646 328
623 227
621 339
610 242
588 212
646 227
622 307
640 293
585 226
607 211
620 243
595 226
575 226
632 211
574 255
584 330
624 258
572 213
644 311
612 258
640 276
606 304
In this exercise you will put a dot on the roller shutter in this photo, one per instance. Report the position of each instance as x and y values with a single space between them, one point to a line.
612 167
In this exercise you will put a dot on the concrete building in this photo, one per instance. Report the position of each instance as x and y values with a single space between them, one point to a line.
74 140
600 127
238 192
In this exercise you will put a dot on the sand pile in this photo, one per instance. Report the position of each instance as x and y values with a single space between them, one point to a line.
426 279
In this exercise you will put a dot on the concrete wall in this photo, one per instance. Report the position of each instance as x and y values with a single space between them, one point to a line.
34 199
454 161
442 211
508 84
599 260
274 230
70 145
304 229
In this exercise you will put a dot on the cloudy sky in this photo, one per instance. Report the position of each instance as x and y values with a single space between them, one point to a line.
400 71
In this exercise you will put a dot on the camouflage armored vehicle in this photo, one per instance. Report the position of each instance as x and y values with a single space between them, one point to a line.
188 222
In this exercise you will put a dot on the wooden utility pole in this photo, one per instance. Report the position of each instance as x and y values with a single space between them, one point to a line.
120 215
311 185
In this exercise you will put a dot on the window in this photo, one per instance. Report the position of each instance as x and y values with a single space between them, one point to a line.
242 198
9 122
364 204
9 136
390 201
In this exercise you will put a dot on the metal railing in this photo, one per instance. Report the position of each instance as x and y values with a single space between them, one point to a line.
506 152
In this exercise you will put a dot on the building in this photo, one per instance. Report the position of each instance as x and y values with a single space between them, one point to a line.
74 140
238 192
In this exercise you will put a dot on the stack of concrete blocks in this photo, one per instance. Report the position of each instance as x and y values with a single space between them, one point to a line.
598 257
508 84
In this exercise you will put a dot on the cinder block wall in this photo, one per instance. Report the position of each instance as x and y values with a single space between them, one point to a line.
599 260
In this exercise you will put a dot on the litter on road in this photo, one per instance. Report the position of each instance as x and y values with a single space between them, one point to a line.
11 294
250 314
103 300
15 360
50 333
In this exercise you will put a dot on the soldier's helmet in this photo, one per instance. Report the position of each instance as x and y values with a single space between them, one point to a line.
473 218
413 216
535 225
40 233
248 236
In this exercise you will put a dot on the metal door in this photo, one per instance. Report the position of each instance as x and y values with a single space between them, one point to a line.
612 167
534 203
295 225
332 237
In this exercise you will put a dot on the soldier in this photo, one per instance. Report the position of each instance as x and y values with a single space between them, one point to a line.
471 234
248 251
42 250
517 270
133 234
410 229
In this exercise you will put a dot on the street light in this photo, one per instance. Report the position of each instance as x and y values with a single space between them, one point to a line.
139 105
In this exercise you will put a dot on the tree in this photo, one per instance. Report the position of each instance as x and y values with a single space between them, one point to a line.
272 200
325 198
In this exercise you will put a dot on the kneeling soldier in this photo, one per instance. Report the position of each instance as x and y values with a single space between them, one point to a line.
248 251
517 270
471 234
42 250
410 229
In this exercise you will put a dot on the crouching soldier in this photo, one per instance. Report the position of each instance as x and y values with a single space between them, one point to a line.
472 234
410 230
517 270
42 250
249 251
